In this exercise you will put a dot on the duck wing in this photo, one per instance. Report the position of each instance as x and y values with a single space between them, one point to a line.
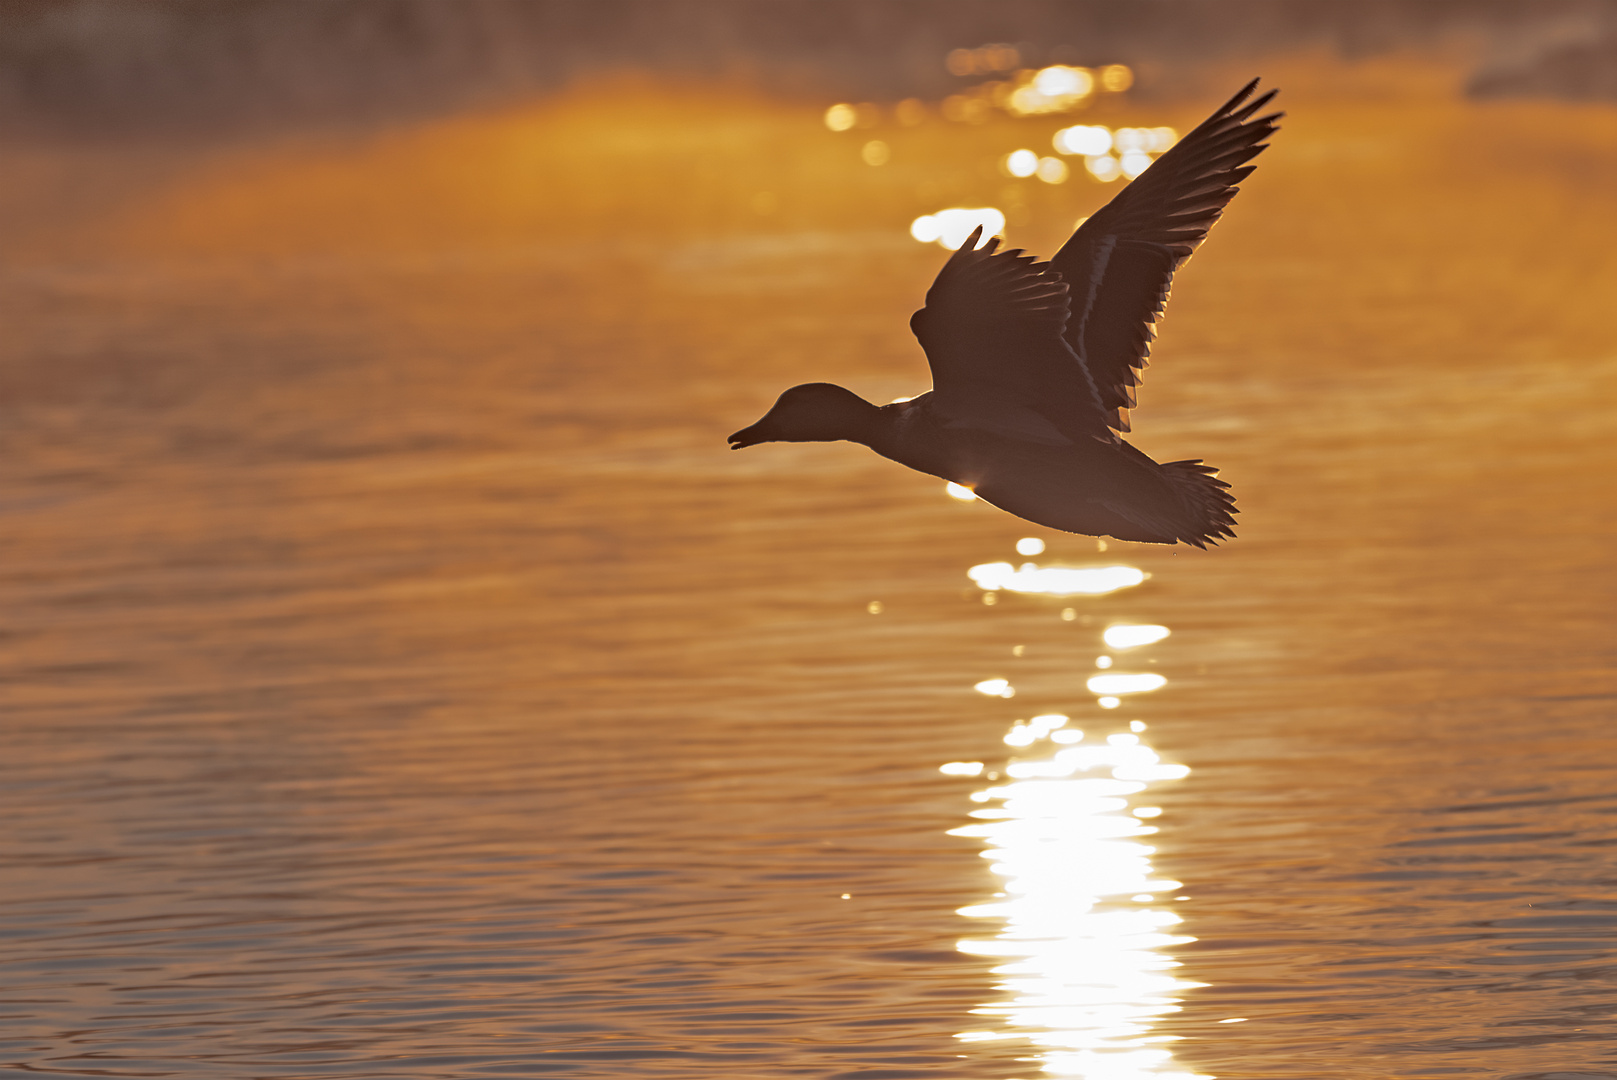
993 329
1120 262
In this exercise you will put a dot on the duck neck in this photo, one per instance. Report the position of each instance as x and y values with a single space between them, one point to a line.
863 423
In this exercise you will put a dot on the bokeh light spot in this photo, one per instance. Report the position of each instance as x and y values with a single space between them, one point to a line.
1116 77
1087 140
841 117
1021 163
1103 167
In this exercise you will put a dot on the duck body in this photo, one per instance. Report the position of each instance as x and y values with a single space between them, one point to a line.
1034 364
1014 459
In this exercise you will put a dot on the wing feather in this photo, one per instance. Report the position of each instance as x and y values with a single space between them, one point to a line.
993 329
1120 262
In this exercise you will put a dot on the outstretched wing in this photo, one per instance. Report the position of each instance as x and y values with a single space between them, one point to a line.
1120 262
993 328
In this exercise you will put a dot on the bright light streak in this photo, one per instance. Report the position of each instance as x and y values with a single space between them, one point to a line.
961 768
1030 545
1080 948
1128 637
959 491
995 688
1125 684
1055 580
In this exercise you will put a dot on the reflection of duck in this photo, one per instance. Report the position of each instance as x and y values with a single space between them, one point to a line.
1034 364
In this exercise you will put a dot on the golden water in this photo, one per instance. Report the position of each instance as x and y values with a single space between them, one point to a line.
401 679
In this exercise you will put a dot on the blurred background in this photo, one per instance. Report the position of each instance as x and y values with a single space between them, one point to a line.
400 678
105 67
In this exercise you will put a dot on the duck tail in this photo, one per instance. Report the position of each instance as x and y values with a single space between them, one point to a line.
1210 508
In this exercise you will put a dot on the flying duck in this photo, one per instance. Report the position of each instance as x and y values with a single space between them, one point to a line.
1034 364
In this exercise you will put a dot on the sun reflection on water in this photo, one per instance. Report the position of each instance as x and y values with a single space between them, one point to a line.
1082 928
1054 580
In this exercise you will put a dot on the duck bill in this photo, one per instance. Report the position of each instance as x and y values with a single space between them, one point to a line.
749 436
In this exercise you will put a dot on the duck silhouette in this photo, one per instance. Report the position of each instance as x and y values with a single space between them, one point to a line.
1034 364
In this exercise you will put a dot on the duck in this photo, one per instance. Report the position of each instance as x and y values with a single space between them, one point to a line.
1035 364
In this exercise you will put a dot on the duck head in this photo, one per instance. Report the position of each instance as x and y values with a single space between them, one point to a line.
813 412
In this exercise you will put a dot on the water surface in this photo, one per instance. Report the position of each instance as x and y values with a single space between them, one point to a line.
401 679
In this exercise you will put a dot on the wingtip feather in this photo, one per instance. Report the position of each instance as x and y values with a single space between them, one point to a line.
1253 106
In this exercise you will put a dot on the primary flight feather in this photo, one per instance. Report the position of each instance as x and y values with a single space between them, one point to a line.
1035 364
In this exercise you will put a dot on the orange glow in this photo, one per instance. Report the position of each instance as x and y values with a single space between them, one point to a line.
400 456
910 112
